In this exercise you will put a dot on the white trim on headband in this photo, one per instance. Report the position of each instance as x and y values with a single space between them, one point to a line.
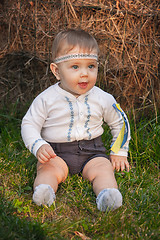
76 56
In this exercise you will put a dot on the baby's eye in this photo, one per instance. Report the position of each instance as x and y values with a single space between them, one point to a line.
91 66
75 67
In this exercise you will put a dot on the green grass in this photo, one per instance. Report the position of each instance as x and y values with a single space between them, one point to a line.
74 215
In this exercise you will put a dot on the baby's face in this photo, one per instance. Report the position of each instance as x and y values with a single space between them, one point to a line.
76 76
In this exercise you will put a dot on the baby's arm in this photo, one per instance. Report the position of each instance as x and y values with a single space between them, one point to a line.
45 153
119 162
115 121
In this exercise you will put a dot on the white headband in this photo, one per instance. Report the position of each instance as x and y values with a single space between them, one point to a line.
76 56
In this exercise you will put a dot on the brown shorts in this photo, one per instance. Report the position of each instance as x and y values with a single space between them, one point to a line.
76 154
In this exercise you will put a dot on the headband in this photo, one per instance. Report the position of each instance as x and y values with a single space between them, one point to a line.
76 56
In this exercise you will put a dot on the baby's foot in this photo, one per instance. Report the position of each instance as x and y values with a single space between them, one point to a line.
44 195
109 199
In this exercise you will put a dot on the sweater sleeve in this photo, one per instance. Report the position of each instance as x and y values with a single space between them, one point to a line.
115 122
32 125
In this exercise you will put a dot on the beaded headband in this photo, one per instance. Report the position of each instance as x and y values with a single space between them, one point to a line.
76 56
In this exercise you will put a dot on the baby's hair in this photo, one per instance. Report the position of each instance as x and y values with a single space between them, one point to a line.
66 40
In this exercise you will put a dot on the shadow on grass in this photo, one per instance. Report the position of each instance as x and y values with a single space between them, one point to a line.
13 227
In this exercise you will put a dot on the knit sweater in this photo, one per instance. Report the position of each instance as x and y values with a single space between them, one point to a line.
58 116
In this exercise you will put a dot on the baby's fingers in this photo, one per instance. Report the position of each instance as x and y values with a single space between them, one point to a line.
117 165
127 166
42 158
122 166
50 152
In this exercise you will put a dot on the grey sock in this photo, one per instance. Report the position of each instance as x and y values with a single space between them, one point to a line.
44 195
109 199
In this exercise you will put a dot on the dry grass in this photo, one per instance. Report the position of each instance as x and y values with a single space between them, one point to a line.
127 32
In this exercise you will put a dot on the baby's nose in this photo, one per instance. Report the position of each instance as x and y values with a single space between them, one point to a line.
84 72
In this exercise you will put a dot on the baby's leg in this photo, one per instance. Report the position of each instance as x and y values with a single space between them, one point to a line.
100 172
49 175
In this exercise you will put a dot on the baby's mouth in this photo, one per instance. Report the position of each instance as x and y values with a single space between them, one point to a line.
83 84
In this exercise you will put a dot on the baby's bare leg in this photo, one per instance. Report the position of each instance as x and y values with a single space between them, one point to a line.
49 175
99 172
52 173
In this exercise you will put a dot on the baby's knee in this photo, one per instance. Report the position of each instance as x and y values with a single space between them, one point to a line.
97 167
56 167
61 174
61 170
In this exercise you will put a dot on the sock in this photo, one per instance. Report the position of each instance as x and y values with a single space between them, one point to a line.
109 199
44 195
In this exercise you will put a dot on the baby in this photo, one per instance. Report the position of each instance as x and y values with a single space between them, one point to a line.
63 125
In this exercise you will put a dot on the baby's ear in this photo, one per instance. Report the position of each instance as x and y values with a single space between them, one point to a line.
55 70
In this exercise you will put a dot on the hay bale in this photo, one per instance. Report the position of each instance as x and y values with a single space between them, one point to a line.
127 32
23 76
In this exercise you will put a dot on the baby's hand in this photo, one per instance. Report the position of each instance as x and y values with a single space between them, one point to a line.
45 153
119 162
